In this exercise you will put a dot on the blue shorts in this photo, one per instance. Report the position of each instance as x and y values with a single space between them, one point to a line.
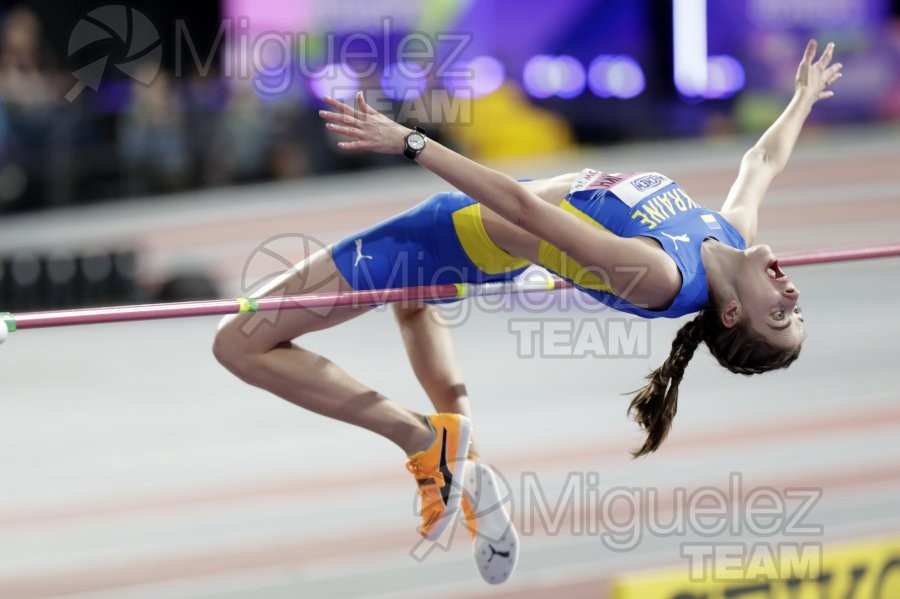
440 241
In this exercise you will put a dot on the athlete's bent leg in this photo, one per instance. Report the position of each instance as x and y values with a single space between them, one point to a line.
259 349
429 346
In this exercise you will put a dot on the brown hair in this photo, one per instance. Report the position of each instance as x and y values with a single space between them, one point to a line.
739 349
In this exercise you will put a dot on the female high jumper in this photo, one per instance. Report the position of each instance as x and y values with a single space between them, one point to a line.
579 226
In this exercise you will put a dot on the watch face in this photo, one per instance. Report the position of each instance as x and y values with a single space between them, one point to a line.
416 141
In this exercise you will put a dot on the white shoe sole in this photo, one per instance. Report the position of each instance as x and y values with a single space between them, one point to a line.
496 543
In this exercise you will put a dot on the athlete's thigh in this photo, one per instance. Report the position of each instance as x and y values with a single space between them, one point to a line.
315 274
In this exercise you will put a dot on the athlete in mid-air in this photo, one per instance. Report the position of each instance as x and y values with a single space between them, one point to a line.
581 226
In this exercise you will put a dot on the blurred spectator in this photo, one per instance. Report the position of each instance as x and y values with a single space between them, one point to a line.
204 100
29 100
219 128
24 63
239 148
888 105
296 135
152 137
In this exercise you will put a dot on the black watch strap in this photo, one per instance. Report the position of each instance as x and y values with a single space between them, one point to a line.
410 152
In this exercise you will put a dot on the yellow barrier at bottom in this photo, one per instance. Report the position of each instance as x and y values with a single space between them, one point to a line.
865 570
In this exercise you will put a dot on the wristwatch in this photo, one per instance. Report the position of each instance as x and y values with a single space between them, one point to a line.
415 143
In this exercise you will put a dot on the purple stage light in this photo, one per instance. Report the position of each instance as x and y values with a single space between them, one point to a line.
545 76
536 76
478 77
403 81
726 77
597 76
689 46
336 80
569 75
617 76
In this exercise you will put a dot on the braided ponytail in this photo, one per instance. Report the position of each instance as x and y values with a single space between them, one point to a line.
739 349
655 404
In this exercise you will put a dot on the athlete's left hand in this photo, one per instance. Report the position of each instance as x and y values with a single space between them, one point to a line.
369 129
813 78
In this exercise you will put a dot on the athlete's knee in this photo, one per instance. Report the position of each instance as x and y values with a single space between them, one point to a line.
229 347
408 311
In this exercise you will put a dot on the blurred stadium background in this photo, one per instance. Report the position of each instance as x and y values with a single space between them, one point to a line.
159 151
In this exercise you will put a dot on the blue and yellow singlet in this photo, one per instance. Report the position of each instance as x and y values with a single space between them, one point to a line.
443 240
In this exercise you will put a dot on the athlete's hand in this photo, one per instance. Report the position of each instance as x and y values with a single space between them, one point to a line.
813 78
369 129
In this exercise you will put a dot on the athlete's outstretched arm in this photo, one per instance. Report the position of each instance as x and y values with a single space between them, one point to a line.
768 157
589 246
375 132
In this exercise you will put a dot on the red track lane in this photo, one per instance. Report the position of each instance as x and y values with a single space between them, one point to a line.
755 433
372 542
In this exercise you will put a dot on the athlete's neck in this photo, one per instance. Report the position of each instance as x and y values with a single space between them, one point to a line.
721 263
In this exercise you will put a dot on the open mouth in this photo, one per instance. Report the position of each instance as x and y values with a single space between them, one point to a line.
774 272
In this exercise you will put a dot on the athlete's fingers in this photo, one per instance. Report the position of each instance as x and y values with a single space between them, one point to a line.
361 102
337 104
364 107
833 71
333 117
353 146
341 107
810 51
825 95
344 130
344 119
826 55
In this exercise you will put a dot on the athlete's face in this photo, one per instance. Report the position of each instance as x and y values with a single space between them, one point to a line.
769 299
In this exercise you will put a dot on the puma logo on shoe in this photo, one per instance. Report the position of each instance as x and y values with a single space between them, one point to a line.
495 552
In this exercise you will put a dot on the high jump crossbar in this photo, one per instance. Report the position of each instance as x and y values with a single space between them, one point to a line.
245 305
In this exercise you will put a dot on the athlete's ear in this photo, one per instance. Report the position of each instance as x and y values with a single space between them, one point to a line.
731 313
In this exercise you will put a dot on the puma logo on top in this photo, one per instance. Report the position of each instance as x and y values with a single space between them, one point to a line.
359 255
676 238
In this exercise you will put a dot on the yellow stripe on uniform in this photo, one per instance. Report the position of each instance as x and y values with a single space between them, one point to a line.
552 258
483 252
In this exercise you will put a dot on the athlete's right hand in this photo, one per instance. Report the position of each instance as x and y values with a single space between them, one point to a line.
369 129
813 78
